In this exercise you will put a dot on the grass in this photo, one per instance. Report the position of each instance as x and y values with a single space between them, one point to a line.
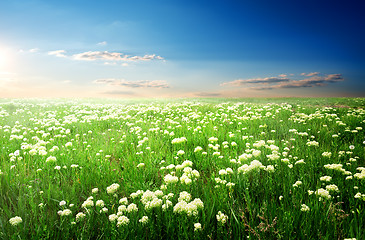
195 168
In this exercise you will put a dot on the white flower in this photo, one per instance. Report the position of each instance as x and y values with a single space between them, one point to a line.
132 208
15 220
140 165
113 217
51 159
62 203
112 188
325 178
197 227
95 190
99 203
304 208
123 201
323 193
221 217
122 221
143 220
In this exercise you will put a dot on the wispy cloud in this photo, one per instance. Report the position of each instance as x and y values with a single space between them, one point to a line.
134 84
104 43
34 50
277 83
58 53
104 56
113 56
242 82
310 74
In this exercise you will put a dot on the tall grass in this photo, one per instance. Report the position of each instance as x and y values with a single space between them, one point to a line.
194 169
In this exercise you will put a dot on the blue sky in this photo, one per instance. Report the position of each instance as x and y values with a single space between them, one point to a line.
181 48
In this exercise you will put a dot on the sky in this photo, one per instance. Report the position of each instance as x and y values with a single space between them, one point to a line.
164 48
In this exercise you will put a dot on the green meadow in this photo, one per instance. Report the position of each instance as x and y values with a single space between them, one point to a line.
280 168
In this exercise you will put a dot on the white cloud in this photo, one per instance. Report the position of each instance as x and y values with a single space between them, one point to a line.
104 43
134 84
113 56
34 50
58 53
104 56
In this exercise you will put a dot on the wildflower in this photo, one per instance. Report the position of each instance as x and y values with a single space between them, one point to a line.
51 159
15 220
198 148
122 221
132 208
104 210
88 203
304 208
95 190
100 203
297 183
184 196
113 217
140 165
65 212
143 220
197 227
180 152
179 140
170 179
332 188
221 217
325 178
323 193
62 203
123 201
112 188
327 154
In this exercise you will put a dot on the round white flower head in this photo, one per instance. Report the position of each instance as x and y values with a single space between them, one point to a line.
113 217
80 216
62 203
197 227
123 201
95 190
100 203
122 221
15 221
112 188
143 220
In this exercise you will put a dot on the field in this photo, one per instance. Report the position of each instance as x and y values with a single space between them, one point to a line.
282 168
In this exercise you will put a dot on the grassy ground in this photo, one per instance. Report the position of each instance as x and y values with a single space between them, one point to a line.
279 168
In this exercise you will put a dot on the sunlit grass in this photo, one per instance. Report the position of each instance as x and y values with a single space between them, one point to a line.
182 169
